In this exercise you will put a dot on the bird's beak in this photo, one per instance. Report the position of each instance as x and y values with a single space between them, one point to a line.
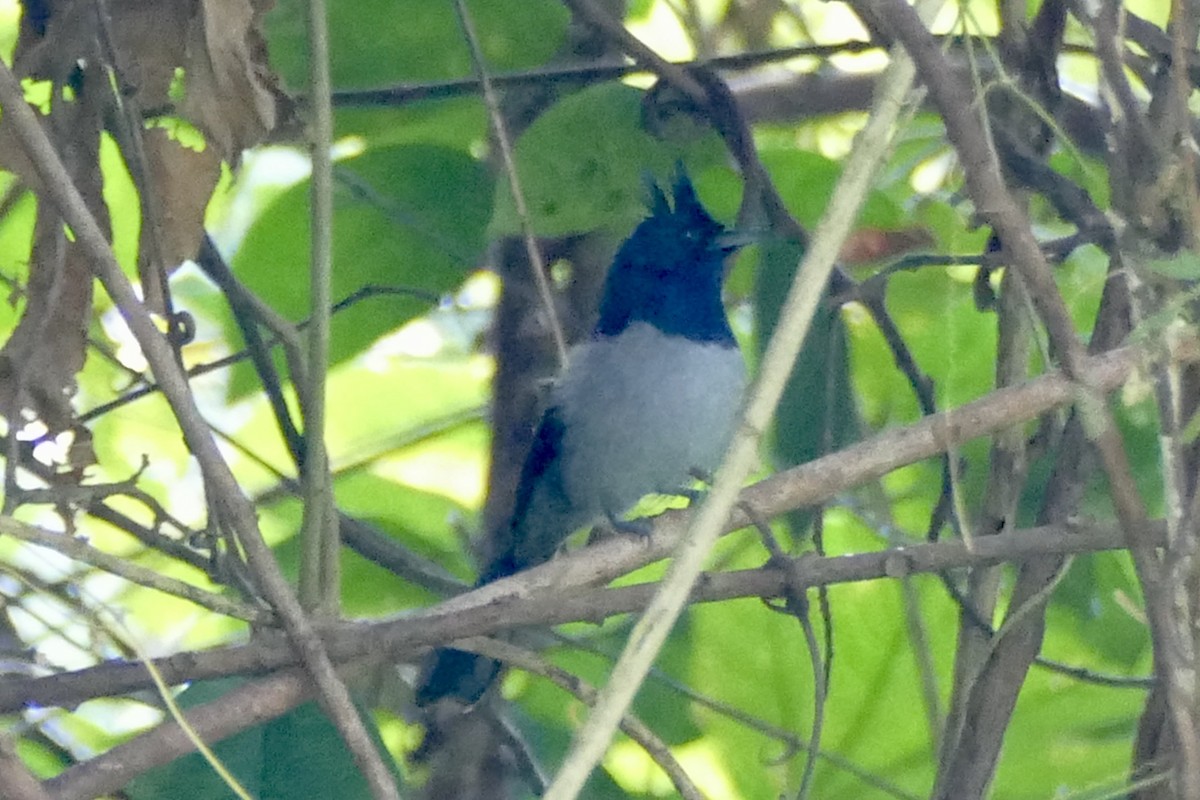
736 239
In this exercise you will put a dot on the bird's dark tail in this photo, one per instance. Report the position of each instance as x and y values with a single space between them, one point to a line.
455 673
464 676
541 518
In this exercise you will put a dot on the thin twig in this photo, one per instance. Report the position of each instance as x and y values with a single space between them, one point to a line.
504 145
637 730
81 551
359 295
249 311
787 738
320 567
597 71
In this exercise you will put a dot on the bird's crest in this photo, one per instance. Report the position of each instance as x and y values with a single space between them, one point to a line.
683 193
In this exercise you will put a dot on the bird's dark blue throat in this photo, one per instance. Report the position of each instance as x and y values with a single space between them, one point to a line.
669 271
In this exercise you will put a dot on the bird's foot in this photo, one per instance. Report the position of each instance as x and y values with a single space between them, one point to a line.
638 527
614 525
695 495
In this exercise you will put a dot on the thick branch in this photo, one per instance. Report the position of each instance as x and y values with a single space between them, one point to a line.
406 637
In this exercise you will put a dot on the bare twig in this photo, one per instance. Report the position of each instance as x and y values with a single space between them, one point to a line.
504 145
320 565
81 551
612 28
591 72
637 730
279 335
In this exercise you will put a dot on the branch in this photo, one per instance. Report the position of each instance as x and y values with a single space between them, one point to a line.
18 782
254 703
320 566
84 553
406 637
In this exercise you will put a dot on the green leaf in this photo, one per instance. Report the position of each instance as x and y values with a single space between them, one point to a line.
406 217
124 207
298 755
755 659
1184 265
377 42
583 163
459 123
1087 172
1065 737
1089 593
16 243
817 413
805 181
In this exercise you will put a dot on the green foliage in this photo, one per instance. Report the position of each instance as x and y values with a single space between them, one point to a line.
297 755
379 42
16 241
583 164
407 217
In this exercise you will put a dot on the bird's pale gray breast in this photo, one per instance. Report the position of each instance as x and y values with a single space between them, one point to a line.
642 411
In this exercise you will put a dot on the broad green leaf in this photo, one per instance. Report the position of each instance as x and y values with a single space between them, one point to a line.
406 218
375 411
408 462
756 660
805 181
583 164
1087 173
124 208
1089 592
42 759
1066 736
1185 265
816 414
378 42
298 755
16 242
458 123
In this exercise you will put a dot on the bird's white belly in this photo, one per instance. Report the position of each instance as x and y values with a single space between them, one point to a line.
642 411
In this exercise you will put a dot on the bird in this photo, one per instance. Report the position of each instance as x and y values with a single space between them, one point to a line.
644 405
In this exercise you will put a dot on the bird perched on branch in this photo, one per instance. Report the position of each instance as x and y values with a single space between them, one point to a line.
645 404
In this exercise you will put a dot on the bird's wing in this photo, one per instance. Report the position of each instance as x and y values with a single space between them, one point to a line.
539 492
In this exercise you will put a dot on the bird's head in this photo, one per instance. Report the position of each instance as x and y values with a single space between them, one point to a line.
668 273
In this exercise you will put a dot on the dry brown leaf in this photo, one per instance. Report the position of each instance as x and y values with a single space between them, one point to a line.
39 361
232 95
229 94
183 181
